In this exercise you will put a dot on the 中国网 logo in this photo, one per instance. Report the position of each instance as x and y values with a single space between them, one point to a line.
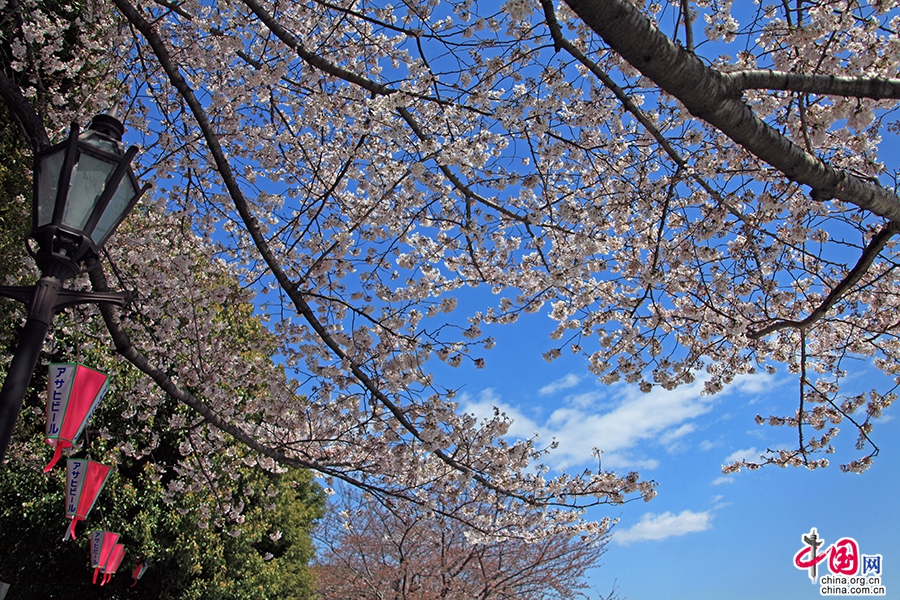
850 573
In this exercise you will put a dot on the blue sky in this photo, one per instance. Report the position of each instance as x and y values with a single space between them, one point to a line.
705 536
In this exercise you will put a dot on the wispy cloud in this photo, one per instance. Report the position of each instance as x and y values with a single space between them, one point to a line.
565 383
748 454
717 502
758 384
483 408
654 526
708 445
621 421
723 479
672 438
635 419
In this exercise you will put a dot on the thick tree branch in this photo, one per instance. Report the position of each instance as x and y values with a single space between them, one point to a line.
562 43
826 85
713 97
30 122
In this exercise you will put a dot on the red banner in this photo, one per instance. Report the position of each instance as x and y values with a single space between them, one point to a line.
139 569
112 565
103 544
73 393
85 479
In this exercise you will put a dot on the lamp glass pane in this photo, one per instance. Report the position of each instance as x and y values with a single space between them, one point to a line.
48 182
117 206
88 181
101 142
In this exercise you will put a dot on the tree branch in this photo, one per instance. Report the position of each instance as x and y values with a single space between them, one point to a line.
30 122
826 85
710 95
871 252
688 25
126 348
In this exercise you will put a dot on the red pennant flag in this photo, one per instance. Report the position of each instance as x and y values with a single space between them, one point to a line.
85 479
139 570
73 392
103 543
112 565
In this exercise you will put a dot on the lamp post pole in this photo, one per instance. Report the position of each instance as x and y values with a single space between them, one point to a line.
99 195
40 313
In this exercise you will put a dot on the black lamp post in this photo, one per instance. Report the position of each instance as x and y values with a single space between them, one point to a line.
83 188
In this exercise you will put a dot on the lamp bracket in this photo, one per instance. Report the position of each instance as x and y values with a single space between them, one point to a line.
66 297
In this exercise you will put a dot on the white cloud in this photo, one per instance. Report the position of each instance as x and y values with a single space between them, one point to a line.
755 384
637 418
521 428
708 445
589 399
723 479
718 504
748 454
659 527
671 437
625 423
565 383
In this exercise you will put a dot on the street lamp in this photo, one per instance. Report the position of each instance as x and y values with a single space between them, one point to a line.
83 188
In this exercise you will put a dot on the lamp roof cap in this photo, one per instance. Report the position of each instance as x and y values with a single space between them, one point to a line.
108 125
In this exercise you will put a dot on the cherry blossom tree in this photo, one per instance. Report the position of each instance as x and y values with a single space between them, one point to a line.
370 550
686 189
